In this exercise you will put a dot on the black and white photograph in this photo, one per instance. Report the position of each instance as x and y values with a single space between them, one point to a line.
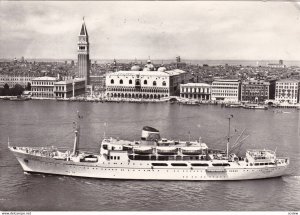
150 106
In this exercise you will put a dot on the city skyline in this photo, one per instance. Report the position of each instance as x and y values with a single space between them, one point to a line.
161 30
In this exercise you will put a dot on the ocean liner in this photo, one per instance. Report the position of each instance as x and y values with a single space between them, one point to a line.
151 158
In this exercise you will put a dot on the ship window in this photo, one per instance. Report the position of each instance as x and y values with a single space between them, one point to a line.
159 164
178 164
104 146
154 83
118 157
199 164
164 83
114 157
121 81
256 164
112 81
130 81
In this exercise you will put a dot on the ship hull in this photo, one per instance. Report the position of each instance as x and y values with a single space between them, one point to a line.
142 170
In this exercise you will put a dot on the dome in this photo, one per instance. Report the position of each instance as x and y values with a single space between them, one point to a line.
149 66
161 69
135 68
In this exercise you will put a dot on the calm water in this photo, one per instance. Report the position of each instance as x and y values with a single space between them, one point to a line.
41 123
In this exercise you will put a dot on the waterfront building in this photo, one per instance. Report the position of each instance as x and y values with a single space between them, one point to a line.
69 88
83 54
287 90
199 91
98 82
146 84
225 90
255 91
13 80
43 87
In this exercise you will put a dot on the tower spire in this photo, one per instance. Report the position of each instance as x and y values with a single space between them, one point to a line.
83 31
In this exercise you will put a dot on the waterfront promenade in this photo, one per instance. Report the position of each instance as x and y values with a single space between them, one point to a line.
172 100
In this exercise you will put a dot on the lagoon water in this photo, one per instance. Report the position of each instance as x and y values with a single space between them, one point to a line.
46 123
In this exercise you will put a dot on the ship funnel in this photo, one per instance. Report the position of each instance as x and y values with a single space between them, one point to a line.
150 134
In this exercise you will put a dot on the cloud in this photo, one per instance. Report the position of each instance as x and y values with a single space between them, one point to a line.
194 30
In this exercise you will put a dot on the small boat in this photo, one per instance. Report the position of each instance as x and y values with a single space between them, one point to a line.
233 105
19 98
255 106
191 150
166 150
143 150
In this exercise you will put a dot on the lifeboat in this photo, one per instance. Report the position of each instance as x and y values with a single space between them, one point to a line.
191 150
143 150
127 147
164 150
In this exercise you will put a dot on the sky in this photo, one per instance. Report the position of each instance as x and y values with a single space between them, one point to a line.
200 30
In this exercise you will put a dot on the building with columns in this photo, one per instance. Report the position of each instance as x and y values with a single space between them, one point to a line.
287 90
147 83
69 88
43 87
199 91
84 54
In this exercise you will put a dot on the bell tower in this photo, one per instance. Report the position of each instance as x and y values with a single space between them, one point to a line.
84 54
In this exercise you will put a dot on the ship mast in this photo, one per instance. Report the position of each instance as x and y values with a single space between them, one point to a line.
228 137
77 134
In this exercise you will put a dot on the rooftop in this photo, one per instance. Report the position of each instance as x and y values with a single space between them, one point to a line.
151 73
196 85
288 81
45 78
226 80
70 81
